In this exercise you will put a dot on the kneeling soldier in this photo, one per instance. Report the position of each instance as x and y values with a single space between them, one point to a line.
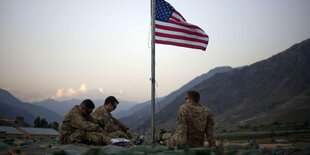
79 126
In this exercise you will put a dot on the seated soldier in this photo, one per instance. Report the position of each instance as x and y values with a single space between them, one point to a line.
112 125
79 127
194 121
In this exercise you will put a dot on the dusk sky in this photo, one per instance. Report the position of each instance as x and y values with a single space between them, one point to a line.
64 49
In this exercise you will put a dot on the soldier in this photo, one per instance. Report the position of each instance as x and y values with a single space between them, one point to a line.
194 121
79 127
112 125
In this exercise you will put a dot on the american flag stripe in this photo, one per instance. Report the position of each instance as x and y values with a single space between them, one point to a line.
180 43
177 17
161 32
179 28
181 37
186 25
169 38
171 28
181 40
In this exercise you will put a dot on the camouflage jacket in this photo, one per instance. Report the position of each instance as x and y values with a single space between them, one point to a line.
194 121
111 124
73 121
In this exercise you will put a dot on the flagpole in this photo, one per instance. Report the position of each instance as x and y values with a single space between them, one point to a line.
153 69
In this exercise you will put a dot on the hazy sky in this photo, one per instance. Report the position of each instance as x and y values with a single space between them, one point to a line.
67 48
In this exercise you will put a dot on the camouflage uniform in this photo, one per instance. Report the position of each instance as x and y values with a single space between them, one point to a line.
194 121
112 125
77 128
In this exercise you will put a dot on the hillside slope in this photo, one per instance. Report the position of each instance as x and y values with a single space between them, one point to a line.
11 107
275 89
141 113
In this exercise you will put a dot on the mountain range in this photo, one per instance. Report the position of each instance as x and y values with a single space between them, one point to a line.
62 107
139 114
51 110
11 107
275 89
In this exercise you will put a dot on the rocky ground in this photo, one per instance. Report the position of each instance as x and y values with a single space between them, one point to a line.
30 147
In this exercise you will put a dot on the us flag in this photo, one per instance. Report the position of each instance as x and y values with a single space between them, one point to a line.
172 29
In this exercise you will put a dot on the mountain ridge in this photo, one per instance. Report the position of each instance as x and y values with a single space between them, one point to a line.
143 114
62 107
13 107
263 92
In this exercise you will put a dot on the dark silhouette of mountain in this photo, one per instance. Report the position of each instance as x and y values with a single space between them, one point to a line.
62 107
137 115
134 109
275 89
121 107
11 107
10 112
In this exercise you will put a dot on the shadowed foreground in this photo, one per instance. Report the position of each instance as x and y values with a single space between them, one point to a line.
26 147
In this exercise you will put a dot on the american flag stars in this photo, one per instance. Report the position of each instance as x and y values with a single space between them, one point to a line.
163 10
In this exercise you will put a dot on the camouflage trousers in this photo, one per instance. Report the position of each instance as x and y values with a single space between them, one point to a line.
120 134
172 139
165 138
90 138
112 128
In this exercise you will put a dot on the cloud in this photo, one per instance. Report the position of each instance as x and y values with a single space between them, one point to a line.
58 94
7 88
84 92
70 92
62 93
83 88
101 90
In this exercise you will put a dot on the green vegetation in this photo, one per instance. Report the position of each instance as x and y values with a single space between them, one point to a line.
297 125
42 123
276 132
